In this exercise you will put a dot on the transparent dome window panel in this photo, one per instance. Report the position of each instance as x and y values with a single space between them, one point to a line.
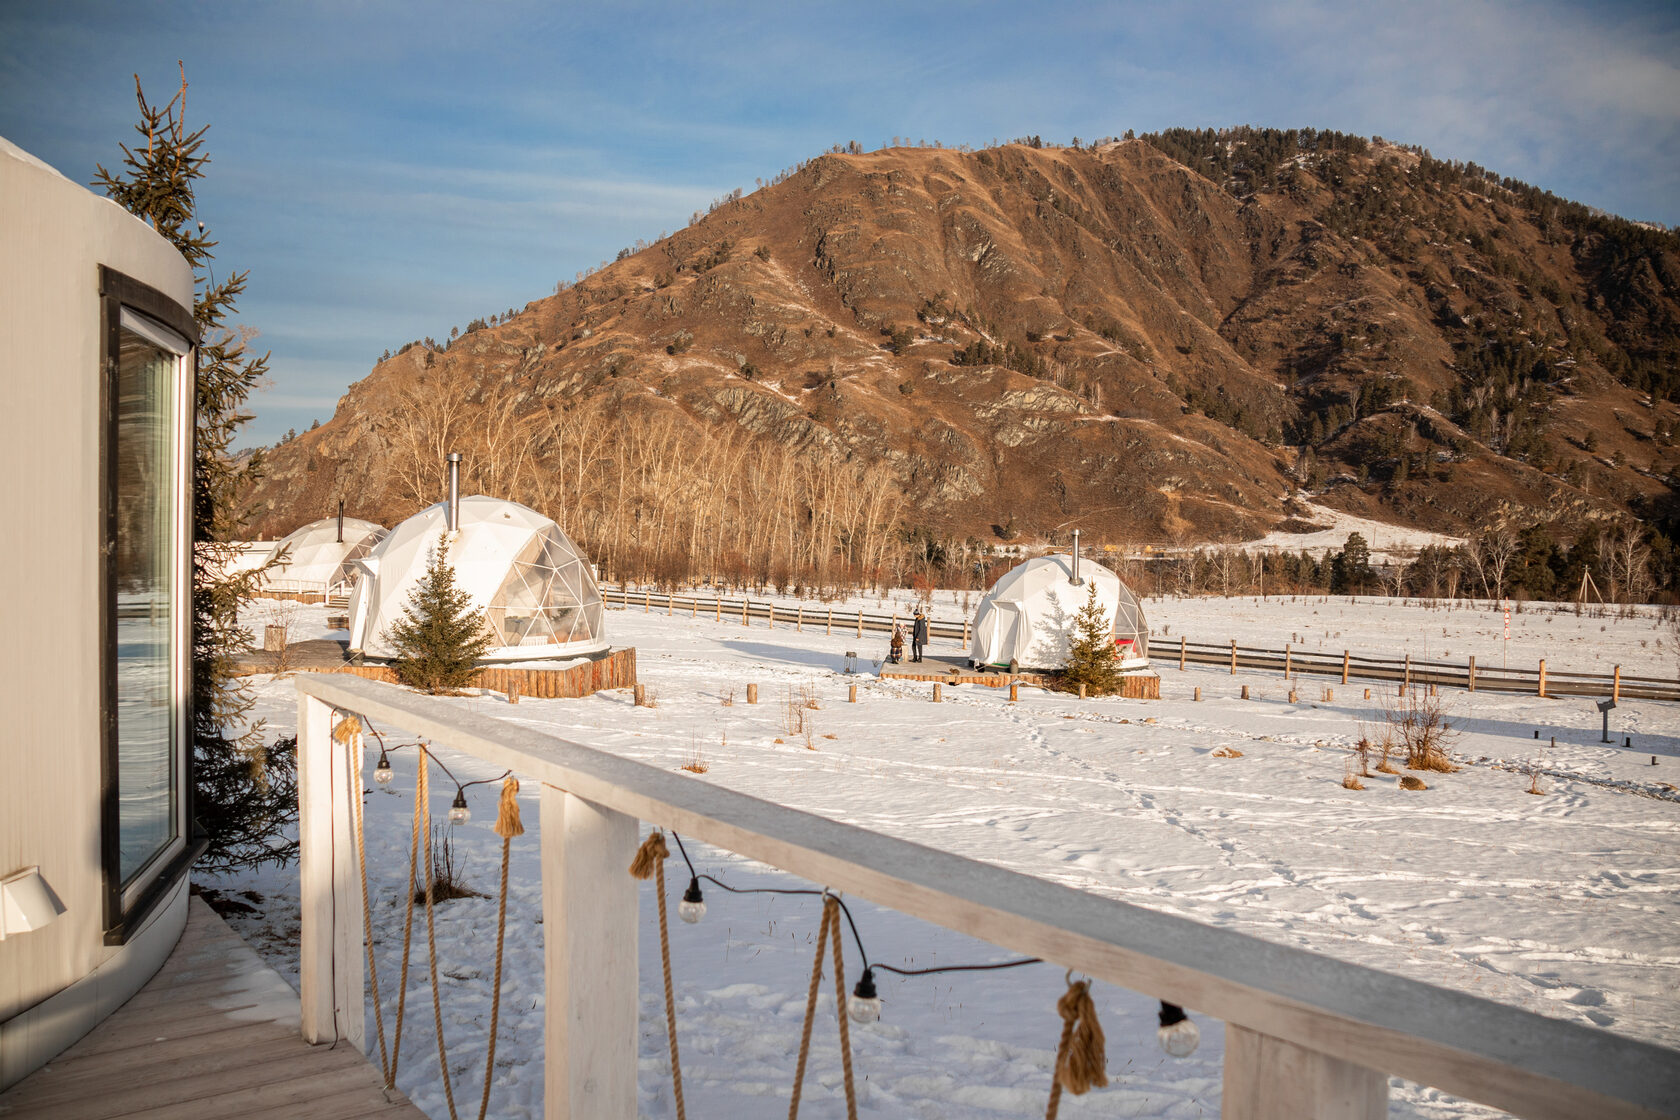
518 606
144 510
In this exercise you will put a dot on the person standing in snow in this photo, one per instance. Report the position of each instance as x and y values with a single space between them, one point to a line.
918 635
896 646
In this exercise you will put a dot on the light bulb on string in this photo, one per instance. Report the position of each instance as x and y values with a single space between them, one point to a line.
458 812
1179 1034
693 905
865 1004
382 772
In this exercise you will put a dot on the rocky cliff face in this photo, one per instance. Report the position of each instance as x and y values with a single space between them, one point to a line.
1032 338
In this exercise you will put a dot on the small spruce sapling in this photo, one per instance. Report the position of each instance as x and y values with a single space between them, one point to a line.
1091 659
440 636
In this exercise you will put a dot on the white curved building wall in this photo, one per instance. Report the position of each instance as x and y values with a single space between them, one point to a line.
536 590
1028 615
56 236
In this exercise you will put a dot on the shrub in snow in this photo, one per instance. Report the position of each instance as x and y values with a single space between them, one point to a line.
441 635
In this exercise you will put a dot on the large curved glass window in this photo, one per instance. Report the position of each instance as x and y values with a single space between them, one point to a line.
547 597
146 562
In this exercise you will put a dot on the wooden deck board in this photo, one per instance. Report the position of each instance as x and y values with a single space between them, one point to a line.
214 1034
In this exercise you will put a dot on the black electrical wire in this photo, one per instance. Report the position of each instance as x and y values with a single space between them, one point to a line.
846 910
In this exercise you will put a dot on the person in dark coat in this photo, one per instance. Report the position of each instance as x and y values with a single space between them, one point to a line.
918 636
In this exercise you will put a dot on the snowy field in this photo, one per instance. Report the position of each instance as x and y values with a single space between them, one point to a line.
1563 903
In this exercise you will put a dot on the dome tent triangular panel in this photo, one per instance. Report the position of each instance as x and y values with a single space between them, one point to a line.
1028 615
535 589
317 560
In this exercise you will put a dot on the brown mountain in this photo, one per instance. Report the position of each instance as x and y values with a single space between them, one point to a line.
1159 339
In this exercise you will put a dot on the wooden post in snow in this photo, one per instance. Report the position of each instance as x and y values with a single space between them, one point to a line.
1288 658
1472 672
743 610
860 622
1344 666
772 616
1181 653
1233 657
829 631
1542 678
851 694
647 601
1616 686
799 623
752 694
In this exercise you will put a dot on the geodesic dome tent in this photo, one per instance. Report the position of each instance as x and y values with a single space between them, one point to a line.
1028 615
316 560
535 588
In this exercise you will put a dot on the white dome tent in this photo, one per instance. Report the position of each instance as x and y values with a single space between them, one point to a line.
1028 615
536 589
320 559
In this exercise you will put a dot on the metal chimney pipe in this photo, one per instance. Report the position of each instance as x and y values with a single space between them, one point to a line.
454 510
341 521
1076 557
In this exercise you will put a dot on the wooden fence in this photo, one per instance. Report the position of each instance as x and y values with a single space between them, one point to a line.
1538 681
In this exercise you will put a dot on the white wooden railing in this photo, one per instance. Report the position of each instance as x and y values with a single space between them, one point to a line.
1306 1035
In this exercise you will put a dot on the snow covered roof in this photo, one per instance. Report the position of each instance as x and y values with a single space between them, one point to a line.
537 591
1028 615
317 560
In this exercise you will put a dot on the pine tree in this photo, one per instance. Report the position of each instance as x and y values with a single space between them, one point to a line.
1091 655
441 635
244 789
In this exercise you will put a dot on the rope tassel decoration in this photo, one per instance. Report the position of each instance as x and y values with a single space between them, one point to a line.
649 864
1080 1060
508 825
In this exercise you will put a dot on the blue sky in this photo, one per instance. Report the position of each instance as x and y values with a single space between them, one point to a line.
389 170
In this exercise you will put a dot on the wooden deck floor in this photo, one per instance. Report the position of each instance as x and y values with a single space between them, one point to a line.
215 1034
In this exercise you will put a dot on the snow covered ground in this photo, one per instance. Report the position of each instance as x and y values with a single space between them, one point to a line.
1563 903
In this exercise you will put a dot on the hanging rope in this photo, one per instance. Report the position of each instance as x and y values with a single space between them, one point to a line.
650 862
830 921
358 813
1080 1060
508 825
421 821
831 911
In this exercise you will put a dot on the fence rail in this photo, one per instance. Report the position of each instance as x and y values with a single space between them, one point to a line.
1306 1034
1539 681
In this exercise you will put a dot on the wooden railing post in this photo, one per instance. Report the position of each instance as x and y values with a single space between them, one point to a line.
1472 672
1344 666
330 969
1181 653
1542 678
589 957
1269 1079
1616 686
1233 657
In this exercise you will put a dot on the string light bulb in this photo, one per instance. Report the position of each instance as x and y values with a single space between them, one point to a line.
693 905
865 1004
382 772
1179 1034
458 812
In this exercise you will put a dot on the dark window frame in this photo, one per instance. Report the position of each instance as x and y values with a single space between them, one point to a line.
117 291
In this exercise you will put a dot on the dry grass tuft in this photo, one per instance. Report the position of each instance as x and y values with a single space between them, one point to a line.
1408 781
1227 752
1418 724
696 761
728 700
448 876
1350 780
